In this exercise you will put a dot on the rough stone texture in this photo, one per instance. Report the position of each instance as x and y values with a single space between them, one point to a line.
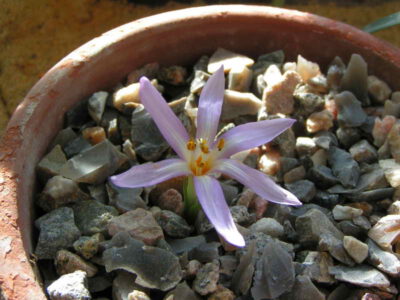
92 217
362 275
341 212
173 225
378 89
386 231
87 246
182 291
57 231
139 223
95 164
222 293
313 224
363 151
123 285
392 171
304 289
355 78
319 121
125 199
60 191
227 58
207 278
274 273
335 247
171 200
385 261
155 267
317 266
68 262
268 226
344 167
239 104
304 190
96 105
355 248
51 163
279 97
71 286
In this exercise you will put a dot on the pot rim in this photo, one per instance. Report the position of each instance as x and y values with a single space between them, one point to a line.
17 275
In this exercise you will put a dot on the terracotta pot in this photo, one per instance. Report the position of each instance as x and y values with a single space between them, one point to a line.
177 37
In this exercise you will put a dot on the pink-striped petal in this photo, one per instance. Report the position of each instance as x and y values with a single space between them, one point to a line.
167 122
211 198
257 181
250 135
151 173
210 105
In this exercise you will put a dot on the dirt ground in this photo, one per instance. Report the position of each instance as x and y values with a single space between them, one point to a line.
35 34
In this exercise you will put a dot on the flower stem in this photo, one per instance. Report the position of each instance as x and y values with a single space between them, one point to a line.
192 205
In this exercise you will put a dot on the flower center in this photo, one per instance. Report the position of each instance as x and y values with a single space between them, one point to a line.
202 157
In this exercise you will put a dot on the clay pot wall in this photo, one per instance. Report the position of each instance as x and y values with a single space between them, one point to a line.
169 38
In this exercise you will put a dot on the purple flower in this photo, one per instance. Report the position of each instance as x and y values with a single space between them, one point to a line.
204 156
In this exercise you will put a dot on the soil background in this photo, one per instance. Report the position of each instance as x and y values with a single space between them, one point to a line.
35 34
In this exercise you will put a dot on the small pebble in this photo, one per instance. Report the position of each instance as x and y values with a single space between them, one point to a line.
355 248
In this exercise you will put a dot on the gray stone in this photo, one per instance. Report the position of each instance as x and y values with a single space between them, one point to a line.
125 199
348 136
325 139
63 137
274 273
355 248
355 79
228 265
312 225
57 231
139 223
391 108
349 228
149 70
341 212
180 246
70 287
240 214
98 193
198 82
344 167
92 217
100 282
60 191
123 285
307 102
363 151
385 261
88 246
350 112
207 278
51 163
96 105
326 199
268 226
286 142
68 262
145 136
202 223
173 225
243 275
335 248
154 267
304 190
322 176
304 289
362 222
361 275
181 291
95 164
317 266
191 269
206 252
76 146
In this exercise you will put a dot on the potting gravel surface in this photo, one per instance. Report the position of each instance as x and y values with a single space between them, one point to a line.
341 159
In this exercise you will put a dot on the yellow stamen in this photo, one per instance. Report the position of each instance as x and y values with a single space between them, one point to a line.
191 145
199 162
220 145
204 147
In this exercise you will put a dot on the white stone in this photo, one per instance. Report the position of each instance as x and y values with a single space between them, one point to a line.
355 248
394 208
392 171
306 68
71 286
386 231
228 59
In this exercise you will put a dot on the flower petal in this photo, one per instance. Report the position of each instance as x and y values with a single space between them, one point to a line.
167 122
259 182
254 134
151 173
210 105
211 198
